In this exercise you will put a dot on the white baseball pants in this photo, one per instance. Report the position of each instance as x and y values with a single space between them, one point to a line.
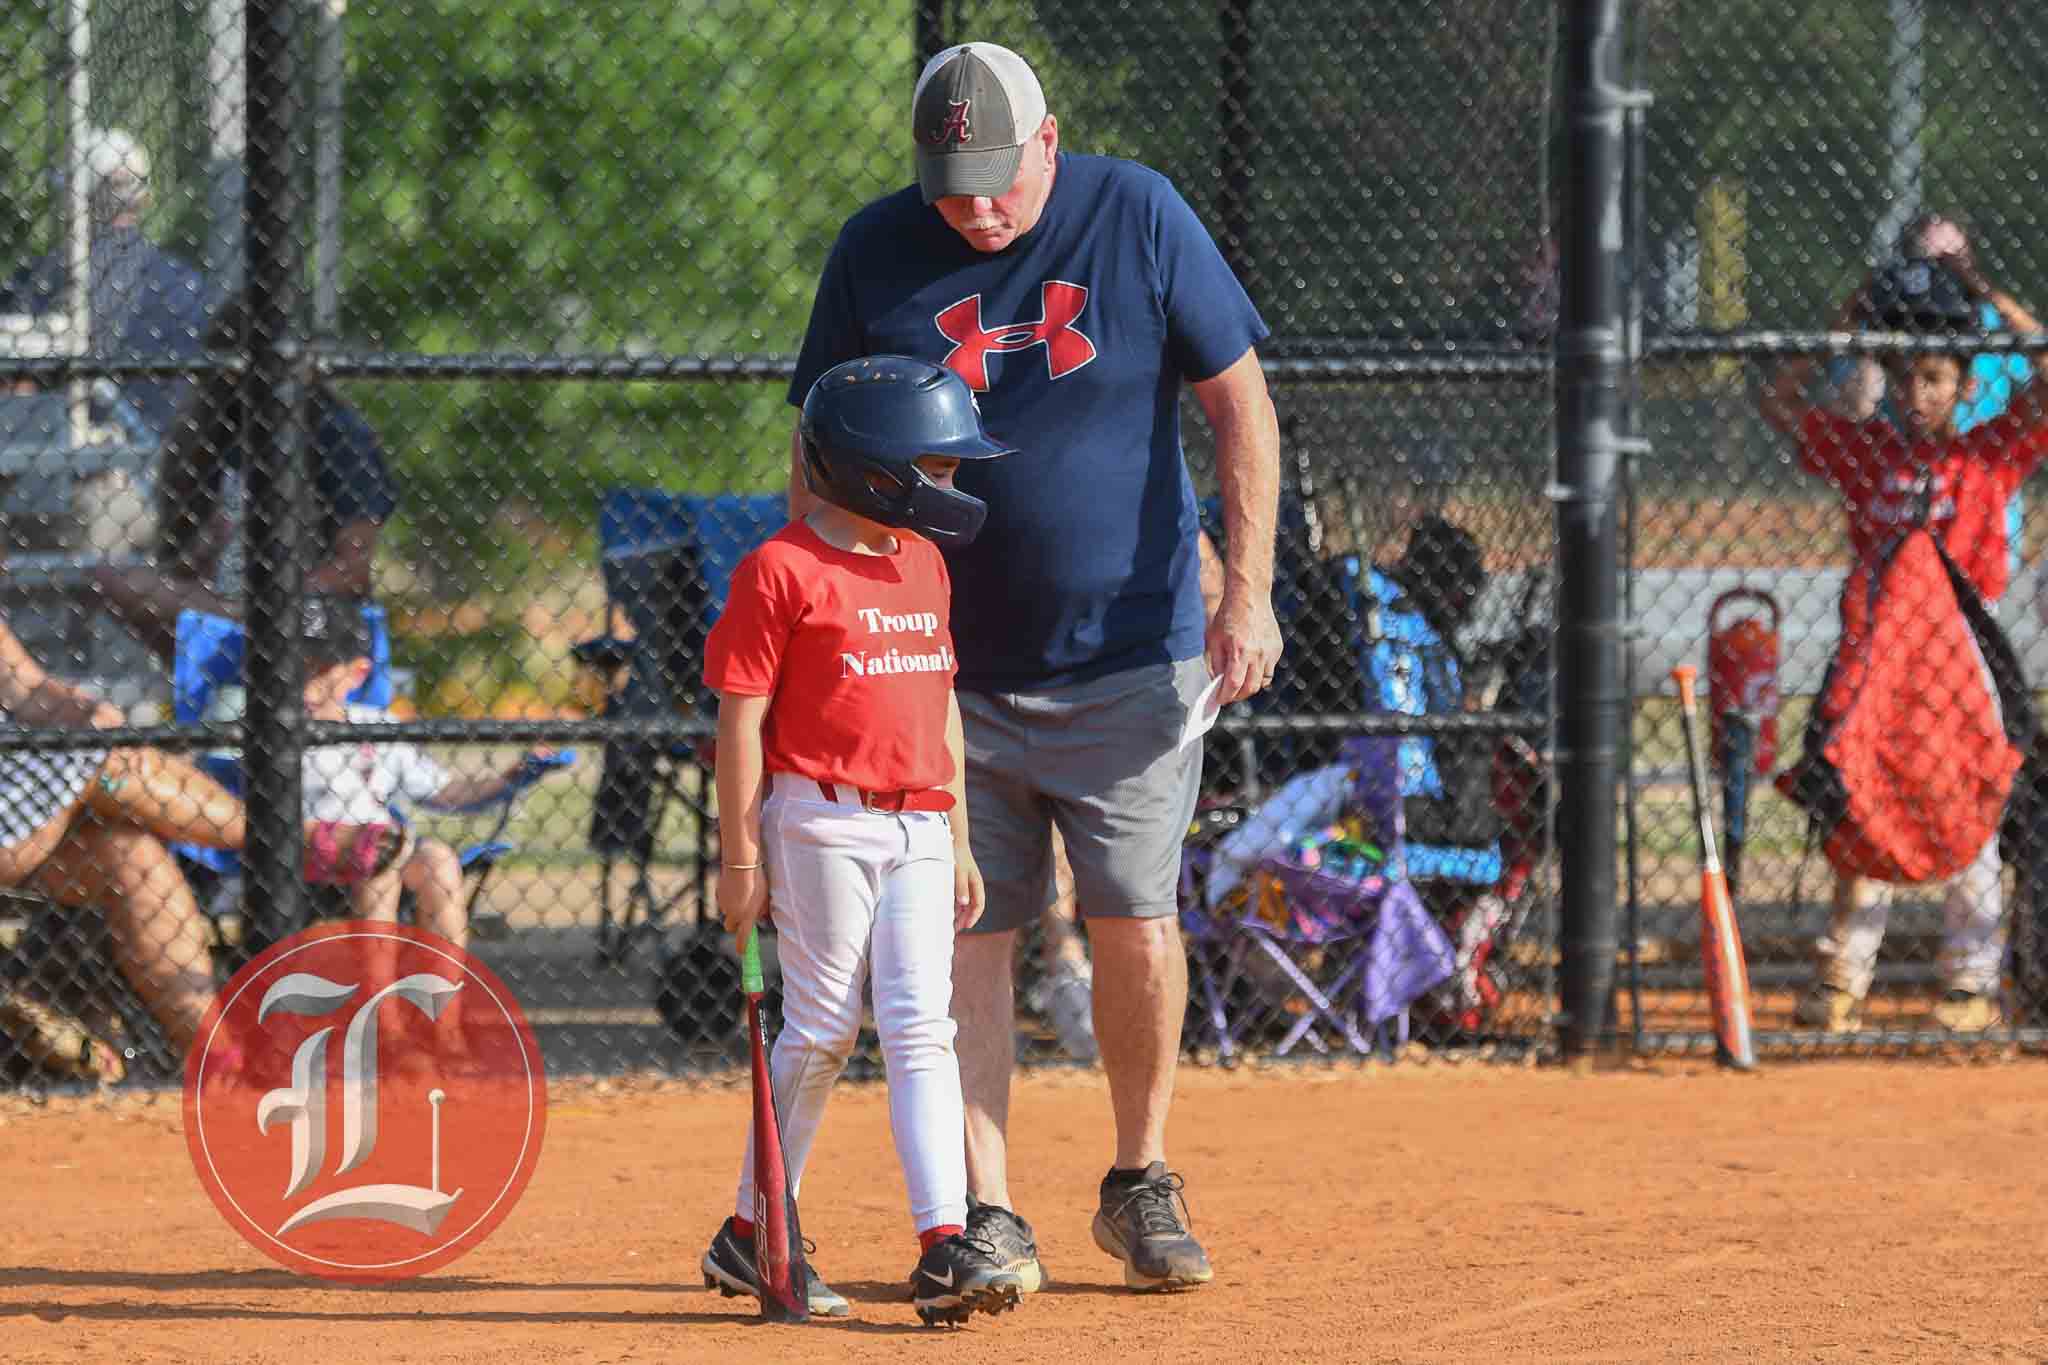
856 893
1972 943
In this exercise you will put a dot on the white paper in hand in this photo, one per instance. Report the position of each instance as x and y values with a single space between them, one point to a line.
1202 715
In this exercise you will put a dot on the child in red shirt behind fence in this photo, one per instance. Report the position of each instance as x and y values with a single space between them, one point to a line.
1891 478
840 797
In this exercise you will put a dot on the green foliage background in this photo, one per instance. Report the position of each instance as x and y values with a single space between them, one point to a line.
544 175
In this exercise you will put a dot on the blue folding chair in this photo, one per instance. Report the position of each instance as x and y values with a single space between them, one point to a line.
209 659
667 560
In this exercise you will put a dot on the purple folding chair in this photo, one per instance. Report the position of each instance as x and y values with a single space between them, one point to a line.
1377 948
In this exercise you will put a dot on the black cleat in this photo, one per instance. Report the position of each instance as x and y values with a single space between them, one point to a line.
729 1268
1143 1223
1009 1240
958 1278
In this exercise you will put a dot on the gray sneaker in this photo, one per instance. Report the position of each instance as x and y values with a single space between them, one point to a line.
1142 1222
728 1267
1009 1243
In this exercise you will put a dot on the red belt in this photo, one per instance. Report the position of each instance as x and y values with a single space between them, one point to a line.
887 803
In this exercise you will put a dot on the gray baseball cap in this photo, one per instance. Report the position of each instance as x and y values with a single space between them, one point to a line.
975 107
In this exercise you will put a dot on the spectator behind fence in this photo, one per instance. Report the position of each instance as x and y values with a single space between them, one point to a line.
1857 387
88 828
1076 295
356 784
1931 236
1921 471
201 505
140 299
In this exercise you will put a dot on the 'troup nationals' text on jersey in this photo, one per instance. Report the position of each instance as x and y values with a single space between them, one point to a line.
895 661
854 653
1077 338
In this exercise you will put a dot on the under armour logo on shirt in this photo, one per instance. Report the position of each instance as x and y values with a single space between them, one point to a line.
1066 348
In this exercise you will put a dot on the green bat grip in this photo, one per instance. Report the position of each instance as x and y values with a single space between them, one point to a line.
750 963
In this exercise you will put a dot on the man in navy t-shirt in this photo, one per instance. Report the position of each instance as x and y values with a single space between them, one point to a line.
140 299
1076 295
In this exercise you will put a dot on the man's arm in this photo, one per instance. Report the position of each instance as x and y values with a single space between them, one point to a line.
1244 637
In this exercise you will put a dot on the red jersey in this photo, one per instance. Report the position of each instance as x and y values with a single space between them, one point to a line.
1969 479
855 652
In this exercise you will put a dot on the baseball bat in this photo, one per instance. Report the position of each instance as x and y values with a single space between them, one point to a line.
778 1240
1720 941
1740 753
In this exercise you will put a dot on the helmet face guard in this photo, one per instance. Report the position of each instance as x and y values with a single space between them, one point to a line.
907 497
868 422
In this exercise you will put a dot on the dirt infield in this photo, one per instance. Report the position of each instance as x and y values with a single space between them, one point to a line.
1824 1211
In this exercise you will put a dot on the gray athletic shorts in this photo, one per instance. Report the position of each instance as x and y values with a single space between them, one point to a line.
1099 762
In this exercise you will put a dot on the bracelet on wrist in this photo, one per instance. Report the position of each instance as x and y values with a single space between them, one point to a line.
741 867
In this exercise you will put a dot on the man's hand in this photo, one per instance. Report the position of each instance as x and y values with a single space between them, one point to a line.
1941 239
1243 646
970 896
1948 245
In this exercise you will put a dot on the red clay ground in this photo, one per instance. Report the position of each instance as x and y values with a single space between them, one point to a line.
1818 1211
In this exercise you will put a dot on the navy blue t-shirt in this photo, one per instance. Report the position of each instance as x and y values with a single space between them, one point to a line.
1077 338
156 305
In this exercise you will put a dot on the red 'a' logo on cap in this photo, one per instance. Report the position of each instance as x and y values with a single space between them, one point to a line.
954 127
1066 348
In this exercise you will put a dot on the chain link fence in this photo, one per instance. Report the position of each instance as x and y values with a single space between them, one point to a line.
550 264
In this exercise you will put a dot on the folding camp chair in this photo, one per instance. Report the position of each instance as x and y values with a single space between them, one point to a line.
667 560
1346 955
209 659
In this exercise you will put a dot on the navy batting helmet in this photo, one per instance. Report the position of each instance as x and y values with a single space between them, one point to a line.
1920 296
866 424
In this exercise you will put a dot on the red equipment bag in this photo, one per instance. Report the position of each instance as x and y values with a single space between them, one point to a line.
1742 676
1920 725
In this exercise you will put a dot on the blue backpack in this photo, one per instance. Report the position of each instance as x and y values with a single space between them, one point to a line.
1409 668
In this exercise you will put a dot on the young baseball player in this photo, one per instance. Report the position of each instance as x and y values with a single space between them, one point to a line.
840 804
1892 475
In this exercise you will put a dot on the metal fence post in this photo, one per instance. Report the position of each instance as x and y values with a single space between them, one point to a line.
272 458
1590 366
